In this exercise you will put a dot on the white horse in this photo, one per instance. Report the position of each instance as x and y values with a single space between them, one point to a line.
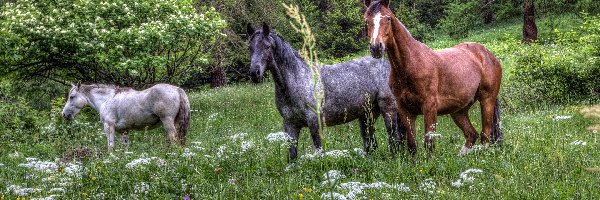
123 109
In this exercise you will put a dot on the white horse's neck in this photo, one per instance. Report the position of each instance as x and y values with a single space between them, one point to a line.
98 96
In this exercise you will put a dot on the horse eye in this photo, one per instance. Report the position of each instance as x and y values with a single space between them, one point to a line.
389 19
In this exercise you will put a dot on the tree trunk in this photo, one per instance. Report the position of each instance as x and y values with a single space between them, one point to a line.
217 77
529 27
488 13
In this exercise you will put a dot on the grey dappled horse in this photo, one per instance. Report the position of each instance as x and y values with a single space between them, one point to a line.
123 109
356 89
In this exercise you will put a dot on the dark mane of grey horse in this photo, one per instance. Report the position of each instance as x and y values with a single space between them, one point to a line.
118 89
356 89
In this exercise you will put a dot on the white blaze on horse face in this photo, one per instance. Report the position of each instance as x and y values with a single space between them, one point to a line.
376 20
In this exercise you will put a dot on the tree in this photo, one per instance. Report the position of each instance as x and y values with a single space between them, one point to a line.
118 41
529 27
487 11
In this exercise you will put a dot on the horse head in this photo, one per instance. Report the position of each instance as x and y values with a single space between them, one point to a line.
76 100
261 46
378 18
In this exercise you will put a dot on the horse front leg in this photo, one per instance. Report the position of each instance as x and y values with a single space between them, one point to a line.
429 110
315 134
293 131
109 130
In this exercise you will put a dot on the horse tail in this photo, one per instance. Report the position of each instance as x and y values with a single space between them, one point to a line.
183 116
497 136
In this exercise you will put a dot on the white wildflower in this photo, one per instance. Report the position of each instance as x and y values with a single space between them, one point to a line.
308 156
197 143
221 151
51 197
578 143
238 136
360 152
198 148
231 181
31 159
137 162
21 191
333 174
333 195
129 152
212 117
56 190
74 170
401 187
466 177
289 167
65 182
142 188
428 185
1 165
277 137
14 155
457 183
336 153
43 166
187 153
563 117
246 145
355 189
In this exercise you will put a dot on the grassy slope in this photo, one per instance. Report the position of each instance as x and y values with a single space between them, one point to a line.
536 161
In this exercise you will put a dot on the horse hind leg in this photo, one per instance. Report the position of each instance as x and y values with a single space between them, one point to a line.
367 132
169 124
125 139
461 119
487 118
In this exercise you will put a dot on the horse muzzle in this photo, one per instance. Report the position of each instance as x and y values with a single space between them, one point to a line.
67 116
377 50
256 76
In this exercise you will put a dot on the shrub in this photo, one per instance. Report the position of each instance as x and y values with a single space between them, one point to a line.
121 41
460 17
562 71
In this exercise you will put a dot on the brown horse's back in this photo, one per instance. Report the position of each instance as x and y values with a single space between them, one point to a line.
471 67
491 70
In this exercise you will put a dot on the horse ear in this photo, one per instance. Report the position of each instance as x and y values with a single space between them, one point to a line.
266 29
78 85
367 2
249 29
386 3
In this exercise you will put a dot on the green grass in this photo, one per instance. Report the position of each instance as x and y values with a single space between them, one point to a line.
536 161
539 158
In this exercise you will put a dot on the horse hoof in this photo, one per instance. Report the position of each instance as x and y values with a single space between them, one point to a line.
463 151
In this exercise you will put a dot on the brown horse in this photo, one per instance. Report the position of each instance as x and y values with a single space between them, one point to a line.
436 82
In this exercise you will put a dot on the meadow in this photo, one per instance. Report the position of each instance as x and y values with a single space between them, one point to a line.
236 150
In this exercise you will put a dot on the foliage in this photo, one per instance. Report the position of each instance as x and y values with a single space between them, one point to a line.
410 18
122 41
20 122
565 68
460 17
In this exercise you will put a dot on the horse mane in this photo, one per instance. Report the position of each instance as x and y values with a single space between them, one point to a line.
118 89
285 52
